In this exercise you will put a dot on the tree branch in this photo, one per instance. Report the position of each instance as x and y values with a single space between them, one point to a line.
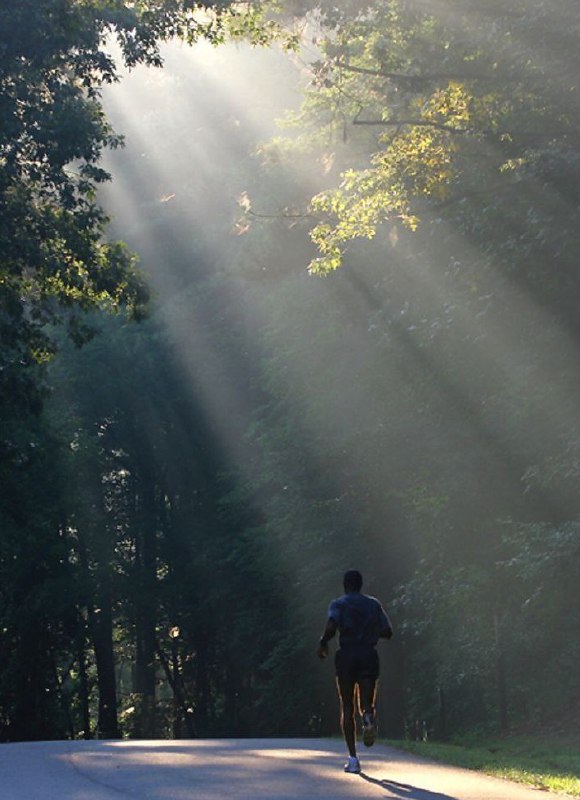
280 215
400 76
398 123
528 136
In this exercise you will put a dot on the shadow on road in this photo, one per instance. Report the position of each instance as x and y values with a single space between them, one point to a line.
402 791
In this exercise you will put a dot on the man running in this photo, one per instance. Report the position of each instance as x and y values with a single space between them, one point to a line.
360 621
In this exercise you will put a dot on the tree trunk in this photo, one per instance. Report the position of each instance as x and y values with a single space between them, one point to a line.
83 683
182 707
100 617
202 705
501 675
101 625
146 607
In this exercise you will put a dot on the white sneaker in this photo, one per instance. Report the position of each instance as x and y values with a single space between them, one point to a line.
352 765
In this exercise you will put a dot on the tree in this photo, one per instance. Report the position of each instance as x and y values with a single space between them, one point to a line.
38 594
56 268
395 415
457 112
449 142
54 63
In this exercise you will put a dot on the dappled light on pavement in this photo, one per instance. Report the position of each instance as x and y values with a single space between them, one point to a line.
237 769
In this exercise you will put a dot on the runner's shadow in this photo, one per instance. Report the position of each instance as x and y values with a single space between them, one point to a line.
402 791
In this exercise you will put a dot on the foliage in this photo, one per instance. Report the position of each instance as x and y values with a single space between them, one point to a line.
474 115
38 590
177 518
469 108
514 650
55 60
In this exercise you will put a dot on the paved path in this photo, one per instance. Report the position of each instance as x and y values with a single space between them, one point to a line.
234 769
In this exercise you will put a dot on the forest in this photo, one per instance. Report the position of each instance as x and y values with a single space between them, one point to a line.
288 288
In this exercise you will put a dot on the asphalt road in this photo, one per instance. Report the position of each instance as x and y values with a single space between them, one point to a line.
234 769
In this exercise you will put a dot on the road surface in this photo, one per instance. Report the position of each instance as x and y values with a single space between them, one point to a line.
234 769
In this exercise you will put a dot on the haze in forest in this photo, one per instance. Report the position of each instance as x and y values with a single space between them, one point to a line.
360 350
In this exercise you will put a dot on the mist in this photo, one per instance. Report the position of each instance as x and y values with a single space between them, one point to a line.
360 351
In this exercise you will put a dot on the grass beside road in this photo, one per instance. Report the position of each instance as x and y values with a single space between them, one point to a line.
545 762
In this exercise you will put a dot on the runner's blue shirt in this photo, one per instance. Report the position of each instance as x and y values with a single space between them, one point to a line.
360 618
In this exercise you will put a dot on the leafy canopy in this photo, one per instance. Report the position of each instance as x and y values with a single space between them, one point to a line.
434 109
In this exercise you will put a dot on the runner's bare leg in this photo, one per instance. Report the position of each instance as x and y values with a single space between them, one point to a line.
346 693
367 694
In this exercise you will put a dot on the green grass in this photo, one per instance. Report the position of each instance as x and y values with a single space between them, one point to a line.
546 762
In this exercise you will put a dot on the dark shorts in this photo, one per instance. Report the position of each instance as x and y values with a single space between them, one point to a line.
355 662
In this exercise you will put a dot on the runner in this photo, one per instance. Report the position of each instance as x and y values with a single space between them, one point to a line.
360 621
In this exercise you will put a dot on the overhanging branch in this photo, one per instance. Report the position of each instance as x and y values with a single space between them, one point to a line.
399 123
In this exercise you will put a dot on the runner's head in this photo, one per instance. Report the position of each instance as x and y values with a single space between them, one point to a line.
352 580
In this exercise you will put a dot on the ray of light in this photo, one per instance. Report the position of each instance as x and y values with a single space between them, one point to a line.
180 167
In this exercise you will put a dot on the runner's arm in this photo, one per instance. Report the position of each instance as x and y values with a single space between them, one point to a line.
329 632
386 629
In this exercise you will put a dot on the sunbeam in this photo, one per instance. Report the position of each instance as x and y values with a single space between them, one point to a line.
206 108
322 321
467 338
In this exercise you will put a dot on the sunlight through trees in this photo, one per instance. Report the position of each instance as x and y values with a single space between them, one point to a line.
323 316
